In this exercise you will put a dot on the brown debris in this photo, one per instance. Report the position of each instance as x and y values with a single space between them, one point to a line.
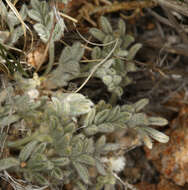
171 159
89 9
162 185
36 57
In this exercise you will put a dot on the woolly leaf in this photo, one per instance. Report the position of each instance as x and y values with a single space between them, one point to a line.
105 24
81 186
3 10
40 179
35 4
6 121
40 148
77 51
58 78
133 50
119 91
79 104
65 108
101 116
70 128
107 79
159 121
57 173
109 179
127 41
138 119
58 106
77 146
127 81
7 163
63 145
4 35
111 87
98 34
72 67
27 151
124 117
36 158
28 176
120 125
128 108
117 79
16 34
12 20
88 120
114 113
44 8
130 67
139 105
100 168
86 159
144 136
42 32
68 67
88 146
82 172
111 147
107 49
122 53
49 22
58 30
23 12
40 162
100 143
35 15
121 27
157 135
60 161
105 128
101 72
96 53
74 52
108 63
91 130
66 55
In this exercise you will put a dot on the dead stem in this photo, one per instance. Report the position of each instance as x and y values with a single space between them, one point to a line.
116 7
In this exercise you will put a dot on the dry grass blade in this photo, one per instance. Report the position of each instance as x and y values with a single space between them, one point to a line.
95 44
68 17
178 27
24 26
15 1
17 184
4 68
175 5
97 66
20 19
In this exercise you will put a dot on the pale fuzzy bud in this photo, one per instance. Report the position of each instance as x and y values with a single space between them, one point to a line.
117 164
33 94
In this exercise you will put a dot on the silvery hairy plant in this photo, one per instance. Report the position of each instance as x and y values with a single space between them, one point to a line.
114 71
10 32
15 30
50 26
63 137
68 67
